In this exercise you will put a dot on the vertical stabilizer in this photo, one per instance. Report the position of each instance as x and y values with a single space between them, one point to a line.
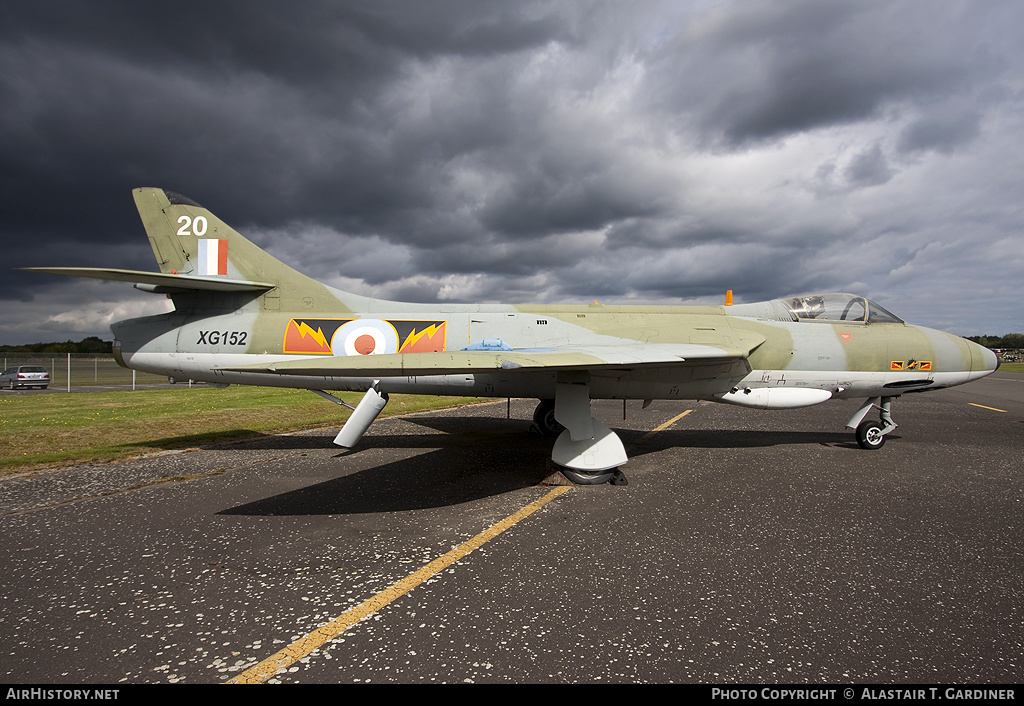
188 239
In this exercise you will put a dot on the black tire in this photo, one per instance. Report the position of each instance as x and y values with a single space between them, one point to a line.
544 418
583 478
870 436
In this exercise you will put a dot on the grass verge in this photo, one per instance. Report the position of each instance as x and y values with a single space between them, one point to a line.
45 430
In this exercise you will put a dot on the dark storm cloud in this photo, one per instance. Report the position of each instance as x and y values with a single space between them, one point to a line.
775 69
521 151
227 100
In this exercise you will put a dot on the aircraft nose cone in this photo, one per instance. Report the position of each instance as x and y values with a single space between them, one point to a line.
982 359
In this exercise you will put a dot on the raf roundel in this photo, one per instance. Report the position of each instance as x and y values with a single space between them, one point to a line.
365 337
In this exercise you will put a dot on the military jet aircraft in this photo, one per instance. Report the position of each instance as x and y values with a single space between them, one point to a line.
242 317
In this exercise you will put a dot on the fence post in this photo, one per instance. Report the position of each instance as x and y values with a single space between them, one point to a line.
69 372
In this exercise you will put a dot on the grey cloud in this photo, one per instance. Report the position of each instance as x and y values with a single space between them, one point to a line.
782 68
869 168
940 132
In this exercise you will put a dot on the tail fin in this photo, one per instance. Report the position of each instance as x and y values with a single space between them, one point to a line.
200 256
188 239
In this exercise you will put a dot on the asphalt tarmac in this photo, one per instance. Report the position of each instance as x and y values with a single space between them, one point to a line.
747 547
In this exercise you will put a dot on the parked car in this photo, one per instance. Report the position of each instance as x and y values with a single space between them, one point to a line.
25 376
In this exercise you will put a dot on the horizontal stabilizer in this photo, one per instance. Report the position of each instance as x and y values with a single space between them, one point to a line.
161 282
592 358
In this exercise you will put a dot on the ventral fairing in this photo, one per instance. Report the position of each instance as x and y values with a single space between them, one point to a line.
243 317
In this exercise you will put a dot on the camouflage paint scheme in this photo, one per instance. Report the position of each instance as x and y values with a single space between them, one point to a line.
257 321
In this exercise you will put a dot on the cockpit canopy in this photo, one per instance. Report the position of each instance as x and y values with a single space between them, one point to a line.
837 307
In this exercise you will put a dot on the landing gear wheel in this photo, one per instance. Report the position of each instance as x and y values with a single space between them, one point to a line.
544 418
869 435
583 478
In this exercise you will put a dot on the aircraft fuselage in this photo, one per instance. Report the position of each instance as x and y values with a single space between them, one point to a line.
845 359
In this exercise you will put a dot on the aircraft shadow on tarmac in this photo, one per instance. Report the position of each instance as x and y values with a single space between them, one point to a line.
471 459
667 439
741 439
437 478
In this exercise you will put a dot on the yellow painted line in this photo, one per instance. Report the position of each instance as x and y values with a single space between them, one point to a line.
984 407
664 426
325 633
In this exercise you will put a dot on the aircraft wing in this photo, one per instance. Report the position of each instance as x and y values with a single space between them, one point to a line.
159 281
591 358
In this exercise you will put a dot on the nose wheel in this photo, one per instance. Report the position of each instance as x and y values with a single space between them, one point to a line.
871 434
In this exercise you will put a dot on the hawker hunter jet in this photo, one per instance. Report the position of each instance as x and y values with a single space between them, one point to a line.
242 317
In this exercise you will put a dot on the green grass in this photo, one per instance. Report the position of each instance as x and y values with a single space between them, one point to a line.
1011 367
43 430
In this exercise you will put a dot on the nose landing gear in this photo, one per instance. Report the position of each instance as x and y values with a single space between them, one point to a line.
871 434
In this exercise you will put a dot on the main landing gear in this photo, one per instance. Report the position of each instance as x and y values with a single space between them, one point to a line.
871 434
586 451
544 418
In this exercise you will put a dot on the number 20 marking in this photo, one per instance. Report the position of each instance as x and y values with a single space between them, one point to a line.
197 224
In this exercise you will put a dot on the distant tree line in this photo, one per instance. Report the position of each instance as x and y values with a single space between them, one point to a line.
1014 341
90 346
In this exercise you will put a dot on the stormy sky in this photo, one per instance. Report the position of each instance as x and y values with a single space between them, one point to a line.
465 151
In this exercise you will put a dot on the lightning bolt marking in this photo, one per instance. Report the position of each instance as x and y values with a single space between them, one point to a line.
414 337
318 335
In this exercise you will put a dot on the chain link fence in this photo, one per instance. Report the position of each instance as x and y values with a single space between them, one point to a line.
80 370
